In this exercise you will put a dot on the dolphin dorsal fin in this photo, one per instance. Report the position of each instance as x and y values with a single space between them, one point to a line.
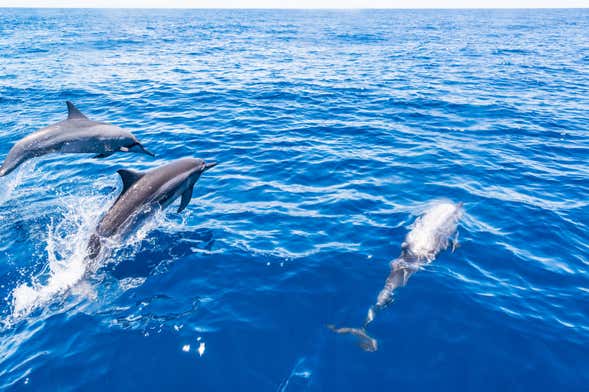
73 112
129 178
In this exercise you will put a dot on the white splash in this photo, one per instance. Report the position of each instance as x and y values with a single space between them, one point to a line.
67 250
431 232
66 253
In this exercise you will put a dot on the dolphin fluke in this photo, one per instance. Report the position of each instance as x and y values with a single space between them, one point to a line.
366 342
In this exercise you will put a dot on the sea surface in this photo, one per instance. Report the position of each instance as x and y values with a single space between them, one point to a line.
334 131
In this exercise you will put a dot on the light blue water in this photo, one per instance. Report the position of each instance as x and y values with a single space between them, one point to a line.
333 131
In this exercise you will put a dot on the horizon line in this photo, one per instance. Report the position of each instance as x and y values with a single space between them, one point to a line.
296 8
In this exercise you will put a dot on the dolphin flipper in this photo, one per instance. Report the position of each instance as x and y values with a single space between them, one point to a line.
186 196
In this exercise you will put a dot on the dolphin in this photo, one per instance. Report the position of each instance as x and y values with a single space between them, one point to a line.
431 233
143 193
76 134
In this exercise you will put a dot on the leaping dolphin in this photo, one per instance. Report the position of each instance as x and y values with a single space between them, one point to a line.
145 192
76 134
431 234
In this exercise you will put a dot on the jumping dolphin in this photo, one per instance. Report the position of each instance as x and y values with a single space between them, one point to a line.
76 134
431 234
145 192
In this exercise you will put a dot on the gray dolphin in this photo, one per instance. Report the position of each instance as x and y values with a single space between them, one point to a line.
76 134
431 234
145 192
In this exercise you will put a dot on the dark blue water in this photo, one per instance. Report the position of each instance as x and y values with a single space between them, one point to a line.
333 131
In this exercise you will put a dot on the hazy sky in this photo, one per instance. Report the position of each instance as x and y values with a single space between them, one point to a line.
299 3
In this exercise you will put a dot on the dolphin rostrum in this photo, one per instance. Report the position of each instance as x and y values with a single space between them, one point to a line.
431 233
76 134
145 192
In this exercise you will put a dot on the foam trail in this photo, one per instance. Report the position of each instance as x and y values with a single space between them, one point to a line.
430 234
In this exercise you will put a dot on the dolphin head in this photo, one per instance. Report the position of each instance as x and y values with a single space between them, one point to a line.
191 168
187 171
196 166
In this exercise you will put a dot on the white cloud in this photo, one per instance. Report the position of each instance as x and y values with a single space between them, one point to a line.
297 3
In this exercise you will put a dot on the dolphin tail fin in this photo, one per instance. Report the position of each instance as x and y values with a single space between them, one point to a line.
365 341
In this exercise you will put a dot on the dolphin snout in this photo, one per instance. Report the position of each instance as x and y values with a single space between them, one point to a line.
209 166
138 147
145 150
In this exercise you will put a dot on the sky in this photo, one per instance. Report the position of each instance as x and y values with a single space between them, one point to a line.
345 4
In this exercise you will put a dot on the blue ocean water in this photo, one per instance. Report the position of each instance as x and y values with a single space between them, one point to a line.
333 130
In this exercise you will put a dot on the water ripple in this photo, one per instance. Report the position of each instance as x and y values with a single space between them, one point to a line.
333 130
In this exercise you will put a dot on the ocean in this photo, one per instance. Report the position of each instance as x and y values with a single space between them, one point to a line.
334 131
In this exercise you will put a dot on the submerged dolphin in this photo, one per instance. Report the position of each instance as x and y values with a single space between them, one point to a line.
76 134
431 234
145 192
